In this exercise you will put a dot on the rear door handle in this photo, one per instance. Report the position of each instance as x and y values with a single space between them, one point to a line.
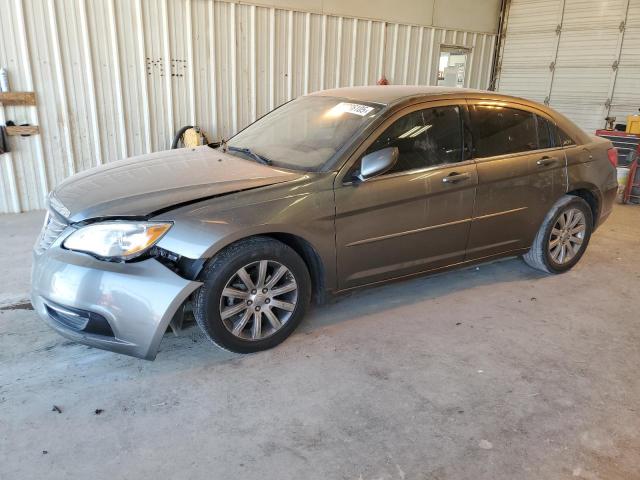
546 161
456 177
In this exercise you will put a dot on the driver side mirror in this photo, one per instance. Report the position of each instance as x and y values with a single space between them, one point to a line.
378 162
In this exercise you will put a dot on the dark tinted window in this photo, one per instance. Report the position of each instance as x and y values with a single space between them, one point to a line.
564 140
500 130
546 133
424 138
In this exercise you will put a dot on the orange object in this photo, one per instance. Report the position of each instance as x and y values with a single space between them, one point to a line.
633 124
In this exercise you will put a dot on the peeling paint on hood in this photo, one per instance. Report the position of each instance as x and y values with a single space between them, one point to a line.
141 185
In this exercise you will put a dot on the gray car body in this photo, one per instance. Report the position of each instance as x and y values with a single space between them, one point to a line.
350 234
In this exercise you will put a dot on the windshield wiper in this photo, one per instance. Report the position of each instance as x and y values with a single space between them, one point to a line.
250 153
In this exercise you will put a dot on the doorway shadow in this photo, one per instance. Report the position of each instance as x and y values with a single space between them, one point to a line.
407 292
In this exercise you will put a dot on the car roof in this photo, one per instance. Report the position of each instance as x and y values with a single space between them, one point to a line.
400 95
387 94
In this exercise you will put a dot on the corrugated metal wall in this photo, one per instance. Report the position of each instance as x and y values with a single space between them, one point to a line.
582 57
117 78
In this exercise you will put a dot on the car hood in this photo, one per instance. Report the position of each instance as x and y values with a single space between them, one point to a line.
146 184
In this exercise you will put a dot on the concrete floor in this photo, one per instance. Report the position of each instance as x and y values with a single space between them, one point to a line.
490 373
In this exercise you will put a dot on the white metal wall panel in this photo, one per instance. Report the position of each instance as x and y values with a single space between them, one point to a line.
117 78
580 56
22 173
70 55
412 54
128 69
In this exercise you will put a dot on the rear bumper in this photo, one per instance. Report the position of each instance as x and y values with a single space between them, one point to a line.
137 300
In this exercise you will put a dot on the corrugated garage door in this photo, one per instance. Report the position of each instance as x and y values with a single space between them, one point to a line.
626 94
579 56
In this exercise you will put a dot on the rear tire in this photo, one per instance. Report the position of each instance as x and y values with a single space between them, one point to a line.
255 294
563 236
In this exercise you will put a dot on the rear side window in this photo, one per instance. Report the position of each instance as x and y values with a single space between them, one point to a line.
424 138
502 130
546 132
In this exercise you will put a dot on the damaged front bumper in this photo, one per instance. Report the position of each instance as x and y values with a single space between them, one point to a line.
121 307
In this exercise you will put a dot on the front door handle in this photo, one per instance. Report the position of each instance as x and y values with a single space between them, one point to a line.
546 161
456 177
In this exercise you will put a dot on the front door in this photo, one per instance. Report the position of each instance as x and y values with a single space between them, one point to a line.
416 216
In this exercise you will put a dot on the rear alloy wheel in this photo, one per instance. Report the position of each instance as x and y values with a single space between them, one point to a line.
563 236
255 293
567 236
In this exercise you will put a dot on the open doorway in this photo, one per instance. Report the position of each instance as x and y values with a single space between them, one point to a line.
452 66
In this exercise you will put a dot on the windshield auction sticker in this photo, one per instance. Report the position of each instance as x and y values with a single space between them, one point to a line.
354 108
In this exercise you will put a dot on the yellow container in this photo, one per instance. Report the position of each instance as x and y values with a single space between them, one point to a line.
633 124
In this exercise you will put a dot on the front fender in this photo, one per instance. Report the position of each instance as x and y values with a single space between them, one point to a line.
203 229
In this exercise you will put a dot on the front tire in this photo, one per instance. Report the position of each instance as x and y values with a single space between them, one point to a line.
563 236
255 294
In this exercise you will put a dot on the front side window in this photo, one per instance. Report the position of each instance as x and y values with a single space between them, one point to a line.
304 134
424 138
501 130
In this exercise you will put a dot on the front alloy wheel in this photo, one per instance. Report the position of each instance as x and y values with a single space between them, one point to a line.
258 300
255 292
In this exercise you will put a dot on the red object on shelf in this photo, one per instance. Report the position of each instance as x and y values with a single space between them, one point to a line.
615 133
621 139
627 146
627 195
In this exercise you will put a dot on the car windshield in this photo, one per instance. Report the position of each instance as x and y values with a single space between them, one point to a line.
304 133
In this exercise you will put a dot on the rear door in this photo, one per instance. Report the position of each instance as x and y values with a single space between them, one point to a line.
415 217
521 173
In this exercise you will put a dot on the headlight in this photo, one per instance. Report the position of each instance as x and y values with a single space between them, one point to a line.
116 240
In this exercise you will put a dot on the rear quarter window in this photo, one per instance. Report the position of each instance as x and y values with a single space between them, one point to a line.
563 139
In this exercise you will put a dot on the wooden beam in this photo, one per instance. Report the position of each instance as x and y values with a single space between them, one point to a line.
20 130
18 98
